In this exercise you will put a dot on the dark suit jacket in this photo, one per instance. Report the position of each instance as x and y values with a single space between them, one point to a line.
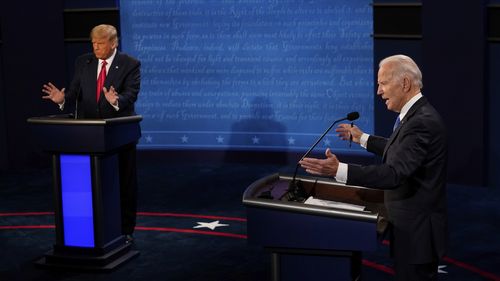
123 74
413 175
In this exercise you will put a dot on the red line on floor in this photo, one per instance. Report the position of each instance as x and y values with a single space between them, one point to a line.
463 265
377 266
147 214
472 268
155 214
145 228
26 226
182 230
26 214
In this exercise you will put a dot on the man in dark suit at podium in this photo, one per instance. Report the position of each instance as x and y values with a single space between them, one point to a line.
105 85
413 172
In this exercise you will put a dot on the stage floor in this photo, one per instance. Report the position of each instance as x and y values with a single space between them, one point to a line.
179 203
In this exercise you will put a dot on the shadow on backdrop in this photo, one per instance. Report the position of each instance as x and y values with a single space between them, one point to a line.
259 132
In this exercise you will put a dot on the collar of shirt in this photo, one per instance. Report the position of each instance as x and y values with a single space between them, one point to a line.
408 105
109 61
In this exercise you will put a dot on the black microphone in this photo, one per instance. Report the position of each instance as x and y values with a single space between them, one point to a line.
76 103
296 191
78 94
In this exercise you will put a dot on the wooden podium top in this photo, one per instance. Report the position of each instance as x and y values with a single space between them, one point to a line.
278 218
319 188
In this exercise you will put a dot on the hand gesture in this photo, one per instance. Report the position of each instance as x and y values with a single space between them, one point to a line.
322 167
345 131
111 95
53 93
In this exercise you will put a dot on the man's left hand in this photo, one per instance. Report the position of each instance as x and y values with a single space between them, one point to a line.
111 95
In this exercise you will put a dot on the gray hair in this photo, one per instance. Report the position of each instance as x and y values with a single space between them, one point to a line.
105 31
404 65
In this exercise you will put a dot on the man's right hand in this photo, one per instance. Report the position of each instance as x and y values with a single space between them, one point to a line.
53 93
345 131
322 167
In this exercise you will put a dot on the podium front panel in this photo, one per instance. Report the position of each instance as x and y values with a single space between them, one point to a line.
295 267
76 193
276 228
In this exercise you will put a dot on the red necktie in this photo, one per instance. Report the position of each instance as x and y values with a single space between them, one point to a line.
100 79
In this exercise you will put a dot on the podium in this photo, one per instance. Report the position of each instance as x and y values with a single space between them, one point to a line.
86 189
313 242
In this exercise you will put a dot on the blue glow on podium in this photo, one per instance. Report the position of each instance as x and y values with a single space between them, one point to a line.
76 190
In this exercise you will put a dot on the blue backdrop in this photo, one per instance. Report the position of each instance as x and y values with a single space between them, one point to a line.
252 75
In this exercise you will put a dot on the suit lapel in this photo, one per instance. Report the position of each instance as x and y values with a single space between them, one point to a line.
407 117
113 70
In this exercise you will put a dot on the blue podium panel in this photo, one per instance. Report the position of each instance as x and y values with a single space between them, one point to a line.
76 193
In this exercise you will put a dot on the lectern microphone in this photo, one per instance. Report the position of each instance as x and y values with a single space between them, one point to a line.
295 190
77 100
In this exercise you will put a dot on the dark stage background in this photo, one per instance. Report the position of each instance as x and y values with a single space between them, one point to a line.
458 56
456 43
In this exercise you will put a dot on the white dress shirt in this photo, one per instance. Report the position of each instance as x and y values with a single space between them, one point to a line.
109 61
342 170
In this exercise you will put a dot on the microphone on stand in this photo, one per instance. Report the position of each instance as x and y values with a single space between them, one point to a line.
76 104
296 191
78 94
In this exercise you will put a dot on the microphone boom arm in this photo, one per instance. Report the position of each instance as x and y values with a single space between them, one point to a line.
321 137
296 190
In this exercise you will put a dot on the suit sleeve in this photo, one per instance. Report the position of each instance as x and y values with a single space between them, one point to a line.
376 145
403 158
131 85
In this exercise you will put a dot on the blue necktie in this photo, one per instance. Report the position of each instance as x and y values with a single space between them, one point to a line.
396 124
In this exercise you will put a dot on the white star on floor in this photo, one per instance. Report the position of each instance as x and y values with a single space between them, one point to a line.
255 140
219 139
184 139
211 225
441 269
149 138
291 140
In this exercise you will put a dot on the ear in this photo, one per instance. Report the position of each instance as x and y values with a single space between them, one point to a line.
406 84
114 44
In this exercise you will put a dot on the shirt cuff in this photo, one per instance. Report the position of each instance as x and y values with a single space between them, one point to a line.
341 175
116 107
363 140
61 105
